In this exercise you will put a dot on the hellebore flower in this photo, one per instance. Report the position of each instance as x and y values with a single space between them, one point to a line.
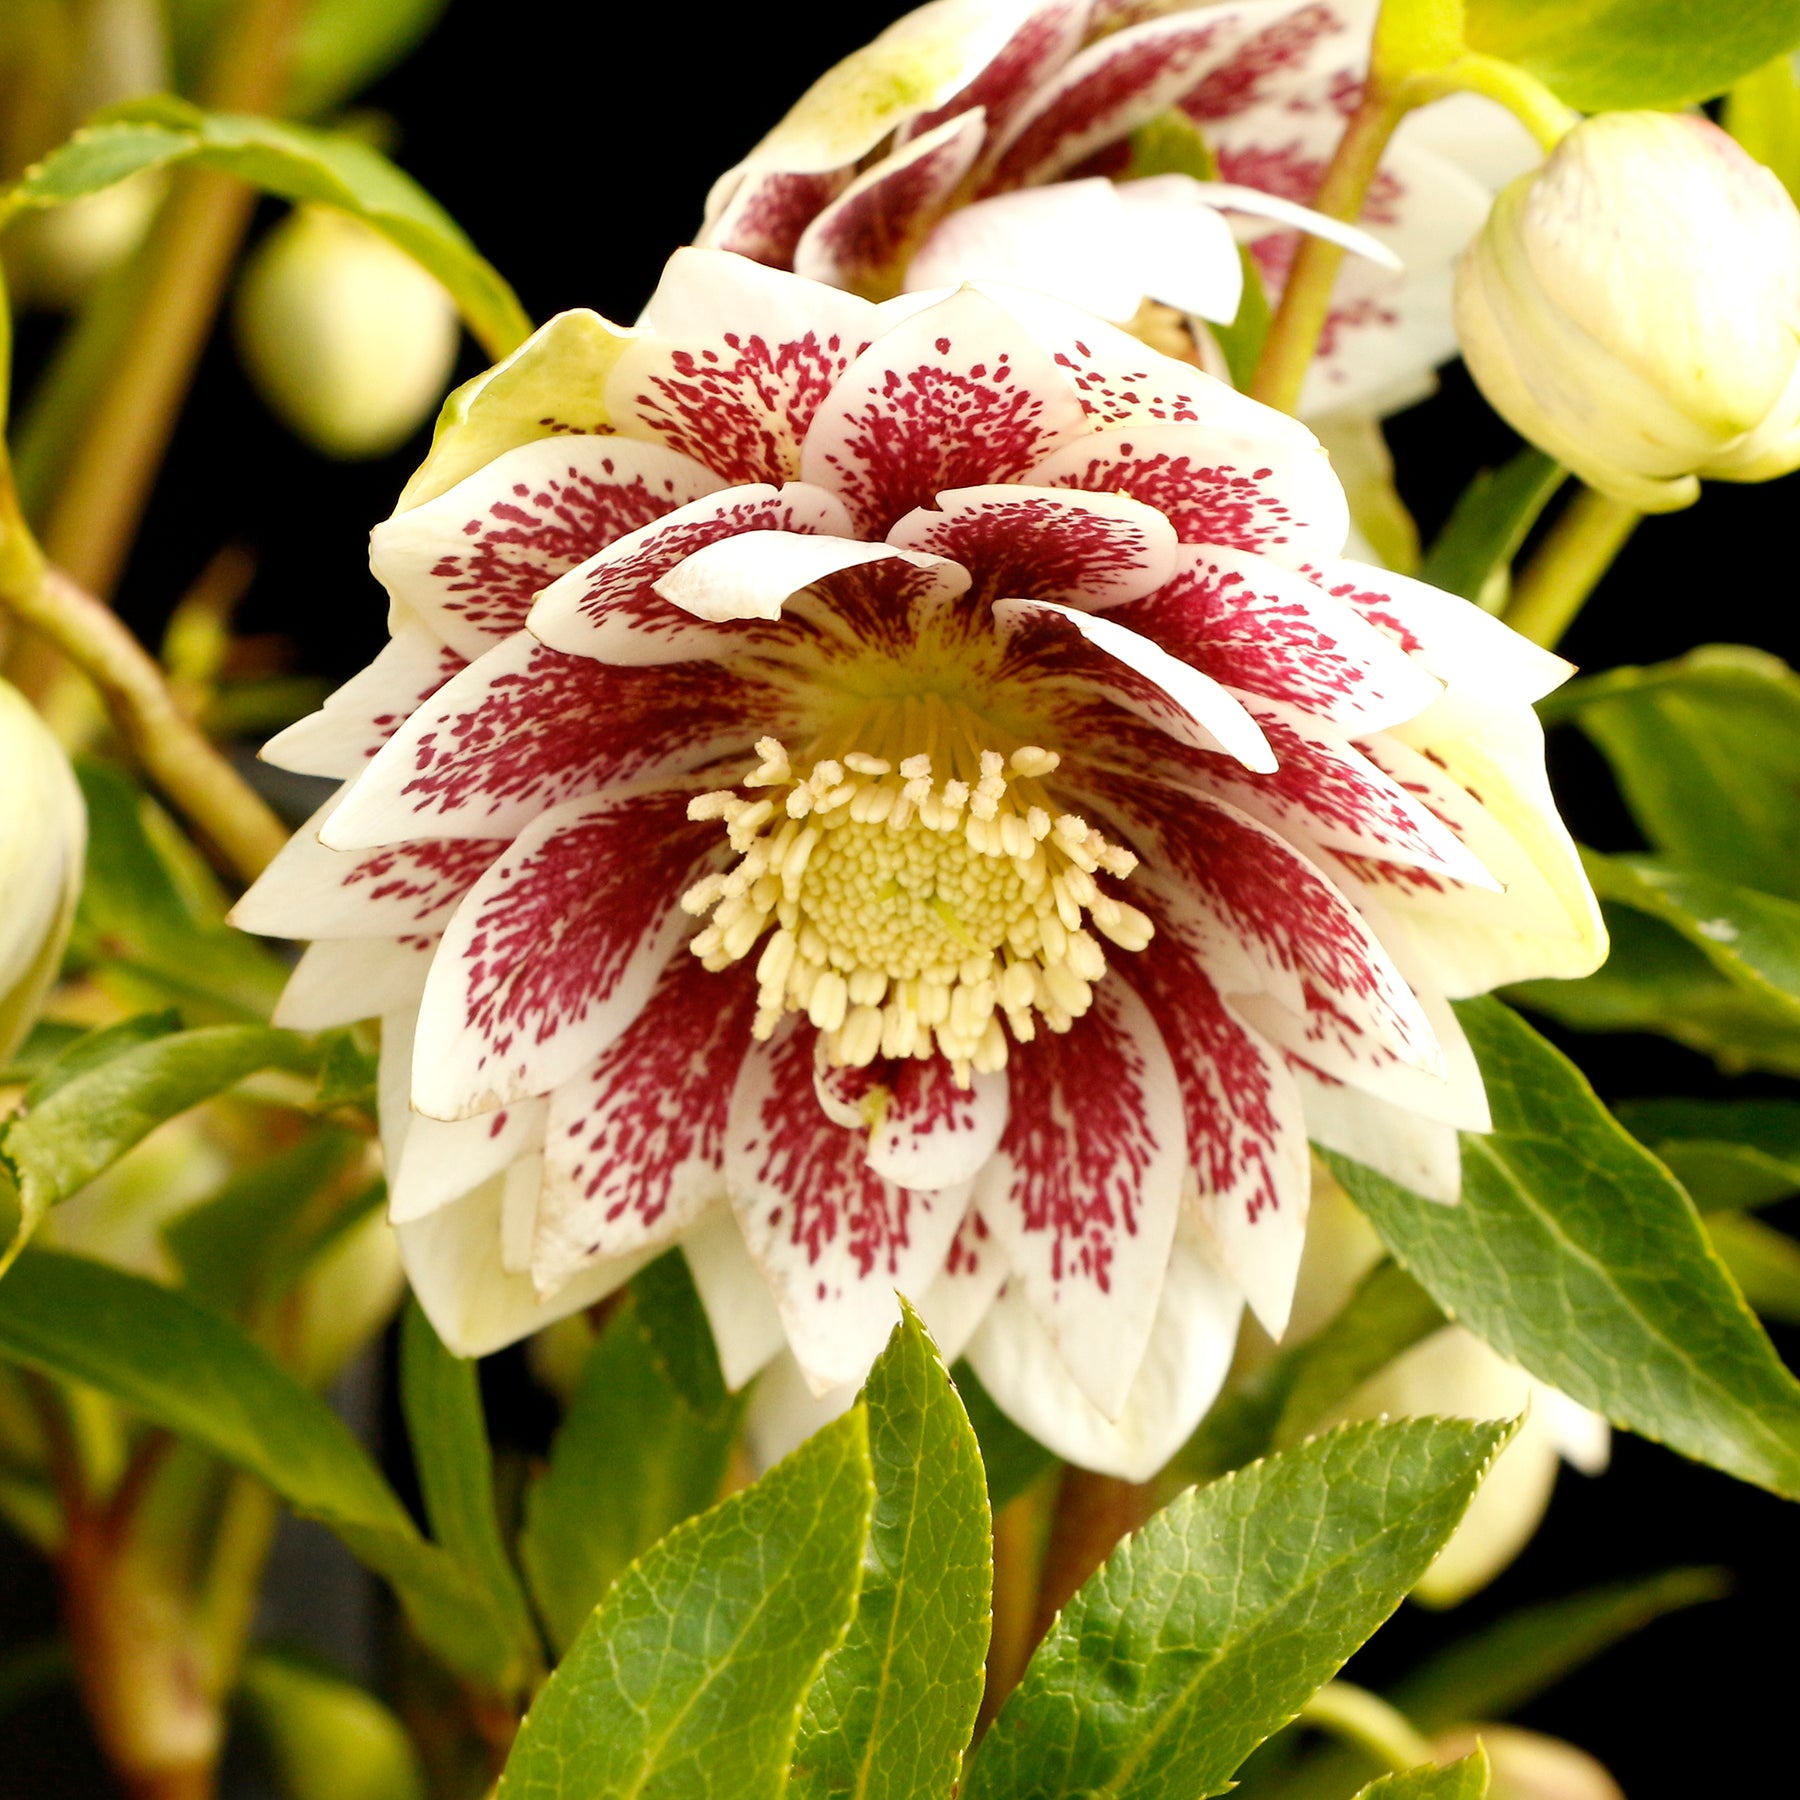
43 839
348 340
1634 309
908 797
993 140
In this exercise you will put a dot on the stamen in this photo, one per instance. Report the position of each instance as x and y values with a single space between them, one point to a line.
912 902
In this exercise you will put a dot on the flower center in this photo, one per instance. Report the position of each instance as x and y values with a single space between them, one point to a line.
915 899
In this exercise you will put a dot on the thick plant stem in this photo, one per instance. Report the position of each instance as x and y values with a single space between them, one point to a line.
1578 549
1306 298
90 528
1017 1547
1358 1717
1092 1513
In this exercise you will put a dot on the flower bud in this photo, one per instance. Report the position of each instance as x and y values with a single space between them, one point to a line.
1633 307
43 838
349 341
1527 1765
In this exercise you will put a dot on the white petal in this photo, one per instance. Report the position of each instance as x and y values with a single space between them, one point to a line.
746 1328
343 980
752 575
442 1160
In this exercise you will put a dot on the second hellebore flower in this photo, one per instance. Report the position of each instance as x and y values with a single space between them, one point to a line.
1634 309
908 797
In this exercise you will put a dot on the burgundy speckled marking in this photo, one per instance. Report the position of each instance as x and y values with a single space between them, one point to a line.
765 217
408 888
1046 40
1244 79
1378 608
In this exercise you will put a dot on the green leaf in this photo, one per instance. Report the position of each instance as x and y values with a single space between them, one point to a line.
1277 1404
1762 112
1726 1153
298 163
135 920
441 1399
1465 1779
1575 1255
1599 54
689 1678
630 1462
1014 1459
179 1366
1706 750
1490 521
1764 1262
328 1738
1209 1628
1499 1669
343 45
670 1315
892 1710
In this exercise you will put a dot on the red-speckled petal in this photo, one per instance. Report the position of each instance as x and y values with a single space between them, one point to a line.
555 950
1084 1189
1253 625
923 1130
769 211
834 1239
635 1144
343 735
952 396
1047 38
973 1274
1089 551
443 1159
528 727
471 561
612 608
1279 499
863 240
735 363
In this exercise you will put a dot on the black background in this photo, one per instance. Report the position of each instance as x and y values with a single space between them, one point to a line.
575 143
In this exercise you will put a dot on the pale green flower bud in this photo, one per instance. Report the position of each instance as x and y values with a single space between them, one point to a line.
1633 307
349 341
1527 1765
43 838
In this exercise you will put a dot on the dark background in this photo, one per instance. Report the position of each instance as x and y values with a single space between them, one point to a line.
575 143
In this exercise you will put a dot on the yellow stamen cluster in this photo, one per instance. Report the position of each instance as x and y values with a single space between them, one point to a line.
912 912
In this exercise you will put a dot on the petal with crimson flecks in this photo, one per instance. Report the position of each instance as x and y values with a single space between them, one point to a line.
769 210
1087 550
635 1146
1114 86
951 396
471 561
1246 1132
344 734
1185 1358
1251 624
1047 37
555 950
343 980
1279 499
737 360
834 1240
862 240
442 1159
921 1129
973 1274
1131 671
526 727
611 606
1084 1190
400 890
746 1329
752 576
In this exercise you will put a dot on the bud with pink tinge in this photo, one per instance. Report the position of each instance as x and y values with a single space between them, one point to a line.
1633 308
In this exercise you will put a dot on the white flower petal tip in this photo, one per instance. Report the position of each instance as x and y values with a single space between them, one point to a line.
752 575
1232 196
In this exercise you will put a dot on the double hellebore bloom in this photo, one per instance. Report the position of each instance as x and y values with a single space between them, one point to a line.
1634 309
1056 144
908 797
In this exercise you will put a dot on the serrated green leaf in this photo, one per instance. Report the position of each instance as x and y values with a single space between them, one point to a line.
689 1678
1706 750
1726 1153
328 1738
671 1317
297 163
1574 1254
1499 1669
892 1710
177 1365
1013 1459
1490 521
1764 1262
441 1400
629 1463
1209 1628
1465 1779
1599 54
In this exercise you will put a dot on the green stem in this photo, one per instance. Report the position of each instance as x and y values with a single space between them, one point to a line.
1368 1722
1578 549
1523 95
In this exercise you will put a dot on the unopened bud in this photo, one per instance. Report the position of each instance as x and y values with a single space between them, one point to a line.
349 341
1633 307
43 839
